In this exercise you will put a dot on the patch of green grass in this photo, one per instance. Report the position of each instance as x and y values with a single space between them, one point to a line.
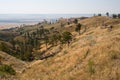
91 67
7 69
65 52
114 55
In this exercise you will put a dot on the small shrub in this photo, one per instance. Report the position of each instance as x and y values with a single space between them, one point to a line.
7 69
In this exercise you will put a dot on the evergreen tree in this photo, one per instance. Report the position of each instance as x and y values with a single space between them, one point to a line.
76 21
99 14
78 28
114 16
3 47
66 37
46 40
107 14
118 15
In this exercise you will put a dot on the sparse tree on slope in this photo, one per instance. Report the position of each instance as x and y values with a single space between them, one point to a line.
118 15
99 14
76 21
107 14
114 16
78 28
46 40
66 37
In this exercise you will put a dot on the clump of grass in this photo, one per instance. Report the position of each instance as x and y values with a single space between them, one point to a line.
114 55
86 54
72 46
79 60
7 69
92 42
71 78
90 37
91 67
65 52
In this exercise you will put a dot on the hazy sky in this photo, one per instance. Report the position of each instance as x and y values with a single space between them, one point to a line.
59 6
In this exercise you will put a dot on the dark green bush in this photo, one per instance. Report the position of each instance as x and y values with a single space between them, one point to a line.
99 14
76 21
114 16
118 15
107 14
7 69
78 28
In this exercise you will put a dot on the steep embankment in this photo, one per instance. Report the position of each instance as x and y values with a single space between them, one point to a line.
93 55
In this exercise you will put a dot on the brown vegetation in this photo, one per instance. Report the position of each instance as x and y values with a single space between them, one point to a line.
94 55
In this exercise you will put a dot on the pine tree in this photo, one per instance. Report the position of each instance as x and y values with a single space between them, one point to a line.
107 14
66 37
78 28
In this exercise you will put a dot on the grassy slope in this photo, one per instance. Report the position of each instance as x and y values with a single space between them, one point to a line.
17 64
94 55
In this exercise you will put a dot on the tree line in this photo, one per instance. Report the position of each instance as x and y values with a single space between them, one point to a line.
109 15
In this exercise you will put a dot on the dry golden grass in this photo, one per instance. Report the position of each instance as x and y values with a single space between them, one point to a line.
17 64
94 55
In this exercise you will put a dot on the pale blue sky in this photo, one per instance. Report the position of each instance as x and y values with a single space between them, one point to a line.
59 6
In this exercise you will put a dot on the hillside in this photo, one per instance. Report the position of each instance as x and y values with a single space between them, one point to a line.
17 64
92 55
40 52
10 66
